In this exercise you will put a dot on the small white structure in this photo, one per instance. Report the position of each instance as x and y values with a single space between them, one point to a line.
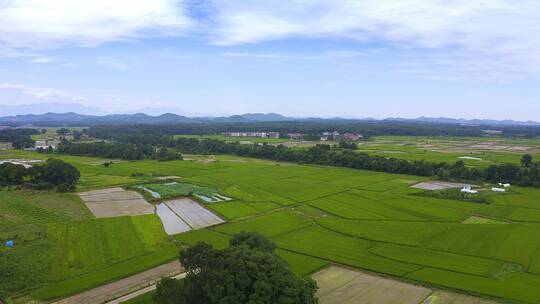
468 189
495 189
504 185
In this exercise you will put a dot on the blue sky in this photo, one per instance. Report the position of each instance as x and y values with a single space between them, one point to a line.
361 58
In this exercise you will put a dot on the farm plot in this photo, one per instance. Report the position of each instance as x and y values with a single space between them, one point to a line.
437 185
175 189
445 297
27 163
482 220
345 286
171 222
115 202
193 214
182 215
238 209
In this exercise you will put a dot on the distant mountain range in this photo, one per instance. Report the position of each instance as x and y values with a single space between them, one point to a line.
471 122
53 107
76 119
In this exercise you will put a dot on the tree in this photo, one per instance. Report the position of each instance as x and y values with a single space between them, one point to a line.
348 145
22 142
526 160
63 131
56 172
246 272
76 134
253 241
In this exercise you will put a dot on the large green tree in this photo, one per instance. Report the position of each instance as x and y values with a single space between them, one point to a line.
56 172
248 272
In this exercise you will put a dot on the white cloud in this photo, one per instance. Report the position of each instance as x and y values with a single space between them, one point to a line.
502 34
41 60
38 93
496 36
44 24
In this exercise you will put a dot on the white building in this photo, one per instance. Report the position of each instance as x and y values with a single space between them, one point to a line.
329 135
252 134
495 189
46 144
468 189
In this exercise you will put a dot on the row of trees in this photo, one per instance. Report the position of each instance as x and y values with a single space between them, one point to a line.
52 173
342 156
526 174
127 151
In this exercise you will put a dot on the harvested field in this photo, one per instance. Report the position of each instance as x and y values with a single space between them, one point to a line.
342 285
169 177
444 297
470 158
481 220
115 202
437 185
171 222
192 213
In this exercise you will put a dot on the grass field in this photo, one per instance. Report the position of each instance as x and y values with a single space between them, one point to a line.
60 249
316 215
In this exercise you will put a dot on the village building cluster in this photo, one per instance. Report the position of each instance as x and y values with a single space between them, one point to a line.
336 136
325 136
252 134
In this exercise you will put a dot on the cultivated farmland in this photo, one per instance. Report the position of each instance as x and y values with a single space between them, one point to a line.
473 151
316 215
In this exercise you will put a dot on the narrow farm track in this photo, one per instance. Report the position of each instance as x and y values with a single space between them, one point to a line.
125 289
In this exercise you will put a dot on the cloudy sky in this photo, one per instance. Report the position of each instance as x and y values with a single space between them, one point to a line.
350 58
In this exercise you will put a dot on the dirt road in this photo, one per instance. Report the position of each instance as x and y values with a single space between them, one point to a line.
127 286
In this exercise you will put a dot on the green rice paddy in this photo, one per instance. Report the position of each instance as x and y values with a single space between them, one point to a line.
316 216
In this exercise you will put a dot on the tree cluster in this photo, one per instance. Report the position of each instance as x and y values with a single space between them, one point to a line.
19 138
127 151
249 271
314 128
52 173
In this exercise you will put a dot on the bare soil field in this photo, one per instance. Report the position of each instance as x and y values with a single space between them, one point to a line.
169 177
339 285
437 185
443 297
115 202
482 220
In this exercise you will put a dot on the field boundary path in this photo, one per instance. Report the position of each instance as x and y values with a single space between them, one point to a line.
127 288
